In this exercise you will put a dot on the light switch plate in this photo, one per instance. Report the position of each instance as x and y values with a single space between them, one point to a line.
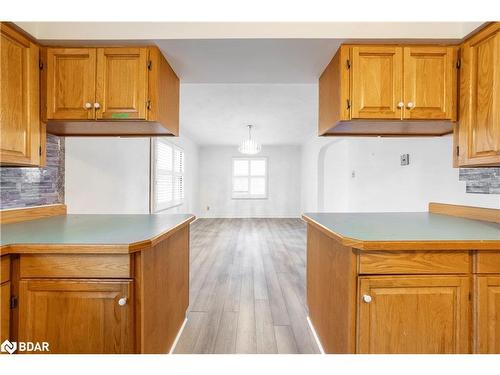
405 159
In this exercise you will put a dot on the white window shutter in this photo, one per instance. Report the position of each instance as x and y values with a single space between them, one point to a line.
168 175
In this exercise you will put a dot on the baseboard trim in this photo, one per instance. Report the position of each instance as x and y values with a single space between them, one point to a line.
178 337
250 217
316 338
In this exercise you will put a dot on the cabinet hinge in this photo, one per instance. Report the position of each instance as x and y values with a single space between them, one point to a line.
40 64
39 150
348 104
470 296
458 64
348 64
150 65
13 302
458 151
148 104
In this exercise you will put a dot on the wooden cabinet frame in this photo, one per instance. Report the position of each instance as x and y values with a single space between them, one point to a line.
72 294
121 91
376 84
401 290
464 286
64 100
112 90
477 135
367 90
20 112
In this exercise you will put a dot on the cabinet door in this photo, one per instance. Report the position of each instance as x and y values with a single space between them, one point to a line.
70 83
488 314
480 99
77 316
377 82
4 311
122 82
430 83
413 314
19 99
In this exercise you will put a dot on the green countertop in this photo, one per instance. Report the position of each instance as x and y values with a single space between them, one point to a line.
90 229
406 226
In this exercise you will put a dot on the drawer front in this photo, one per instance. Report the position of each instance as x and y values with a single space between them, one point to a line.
4 268
75 266
414 262
487 262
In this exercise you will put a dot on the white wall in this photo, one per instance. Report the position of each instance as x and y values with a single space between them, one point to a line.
215 183
107 175
380 183
111 175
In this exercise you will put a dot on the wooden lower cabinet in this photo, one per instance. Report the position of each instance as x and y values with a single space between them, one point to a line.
99 303
4 311
402 301
77 316
412 314
487 313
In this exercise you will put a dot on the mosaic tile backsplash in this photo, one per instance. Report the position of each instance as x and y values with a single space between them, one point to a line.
26 187
481 180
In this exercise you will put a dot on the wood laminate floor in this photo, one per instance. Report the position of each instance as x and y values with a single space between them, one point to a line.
247 288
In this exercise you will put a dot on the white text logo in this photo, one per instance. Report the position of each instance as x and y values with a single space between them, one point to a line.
28 346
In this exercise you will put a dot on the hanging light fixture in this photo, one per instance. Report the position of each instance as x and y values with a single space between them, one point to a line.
249 146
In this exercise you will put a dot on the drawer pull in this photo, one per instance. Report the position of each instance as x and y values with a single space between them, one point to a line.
367 298
122 301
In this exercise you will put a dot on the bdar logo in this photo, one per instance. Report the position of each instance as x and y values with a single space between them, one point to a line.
9 347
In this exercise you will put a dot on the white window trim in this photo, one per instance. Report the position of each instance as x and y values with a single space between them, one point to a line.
154 207
243 196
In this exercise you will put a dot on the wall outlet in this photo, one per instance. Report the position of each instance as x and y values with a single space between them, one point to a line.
405 159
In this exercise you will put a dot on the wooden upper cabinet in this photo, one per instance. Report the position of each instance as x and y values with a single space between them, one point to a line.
19 99
122 83
376 73
334 95
70 83
77 316
479 128
430 83
163 92
109 91
488 315
414 314
396 83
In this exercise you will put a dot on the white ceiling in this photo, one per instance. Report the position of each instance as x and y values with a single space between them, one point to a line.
249 60
242 30
219 113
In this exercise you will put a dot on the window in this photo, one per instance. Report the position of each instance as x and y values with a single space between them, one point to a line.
249 178
167 177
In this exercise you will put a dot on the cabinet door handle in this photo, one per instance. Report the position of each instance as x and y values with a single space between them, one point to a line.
410 105
367 298
88 105
401 105
122 301
97 105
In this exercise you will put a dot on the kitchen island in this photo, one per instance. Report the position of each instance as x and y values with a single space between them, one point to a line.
96 283
405 282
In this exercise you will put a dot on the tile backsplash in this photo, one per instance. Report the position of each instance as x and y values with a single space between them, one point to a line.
26 187
481 180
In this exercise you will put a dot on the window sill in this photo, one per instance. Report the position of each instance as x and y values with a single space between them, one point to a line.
249 198
168 208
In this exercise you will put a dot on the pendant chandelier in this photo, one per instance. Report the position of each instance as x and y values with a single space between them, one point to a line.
249 146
